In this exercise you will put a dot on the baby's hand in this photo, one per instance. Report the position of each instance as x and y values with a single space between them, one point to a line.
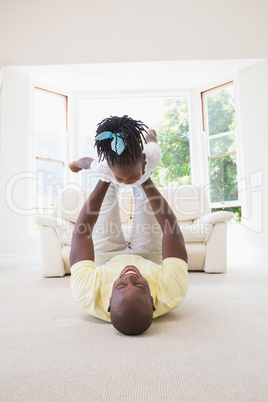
151 135
152 131
74 168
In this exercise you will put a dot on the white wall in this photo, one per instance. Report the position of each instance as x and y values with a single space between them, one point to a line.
253 140
16 164
86 31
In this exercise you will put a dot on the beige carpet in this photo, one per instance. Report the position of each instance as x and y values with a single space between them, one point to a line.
211 348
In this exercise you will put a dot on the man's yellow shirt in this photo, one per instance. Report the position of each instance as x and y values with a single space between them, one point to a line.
92 286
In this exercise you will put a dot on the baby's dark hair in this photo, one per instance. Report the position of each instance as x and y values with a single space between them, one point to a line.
132 132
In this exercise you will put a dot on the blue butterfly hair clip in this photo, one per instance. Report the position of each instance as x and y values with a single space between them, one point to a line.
118 144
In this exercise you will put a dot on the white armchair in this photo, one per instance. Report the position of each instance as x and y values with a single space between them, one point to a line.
205 233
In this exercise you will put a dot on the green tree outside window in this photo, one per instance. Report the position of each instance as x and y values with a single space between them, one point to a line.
173 139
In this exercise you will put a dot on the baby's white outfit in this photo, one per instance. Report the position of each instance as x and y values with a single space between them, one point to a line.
146 235
153 157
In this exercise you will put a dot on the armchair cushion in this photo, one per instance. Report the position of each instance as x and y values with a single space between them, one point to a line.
187 202
195 232
62 227
201 228
215 217
70 203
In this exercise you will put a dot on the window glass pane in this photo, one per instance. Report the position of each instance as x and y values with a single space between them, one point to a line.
223 179
169 116
220 125
49 184
48 148
222 145
221 110
174 141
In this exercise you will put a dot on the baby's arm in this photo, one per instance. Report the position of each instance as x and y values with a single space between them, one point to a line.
151 136
82 163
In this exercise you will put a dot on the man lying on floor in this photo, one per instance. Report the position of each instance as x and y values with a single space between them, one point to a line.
134 281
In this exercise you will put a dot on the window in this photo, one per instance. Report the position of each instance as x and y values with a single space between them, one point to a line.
169 116
219 125
50 128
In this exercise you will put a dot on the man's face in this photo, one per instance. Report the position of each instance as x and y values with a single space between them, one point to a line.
130 289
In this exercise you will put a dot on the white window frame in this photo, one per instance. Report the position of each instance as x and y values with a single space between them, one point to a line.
65 143
208 138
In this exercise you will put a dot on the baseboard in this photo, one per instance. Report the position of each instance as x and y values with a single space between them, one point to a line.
19 260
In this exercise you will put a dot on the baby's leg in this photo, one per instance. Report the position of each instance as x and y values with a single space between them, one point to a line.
108 238
146 237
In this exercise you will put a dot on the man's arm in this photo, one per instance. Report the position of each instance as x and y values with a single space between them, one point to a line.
173 242
82 247
82 163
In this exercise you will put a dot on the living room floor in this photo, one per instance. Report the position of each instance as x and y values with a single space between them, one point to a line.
211 348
